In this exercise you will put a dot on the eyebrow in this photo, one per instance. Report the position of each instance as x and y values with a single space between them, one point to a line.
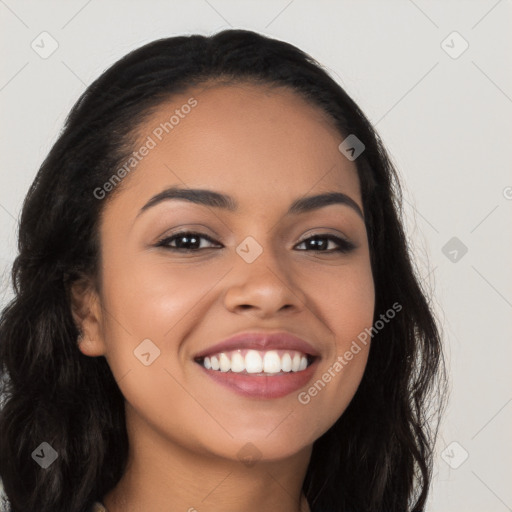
218 200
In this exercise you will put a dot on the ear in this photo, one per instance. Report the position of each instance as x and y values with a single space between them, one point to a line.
87 314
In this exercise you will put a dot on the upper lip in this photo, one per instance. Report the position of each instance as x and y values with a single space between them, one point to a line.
258 340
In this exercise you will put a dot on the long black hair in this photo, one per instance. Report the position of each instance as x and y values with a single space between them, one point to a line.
378 456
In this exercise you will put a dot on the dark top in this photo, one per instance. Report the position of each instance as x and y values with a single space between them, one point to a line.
98 507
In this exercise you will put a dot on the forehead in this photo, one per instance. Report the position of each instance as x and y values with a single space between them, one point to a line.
254 142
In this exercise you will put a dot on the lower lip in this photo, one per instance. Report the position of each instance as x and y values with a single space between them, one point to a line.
263 386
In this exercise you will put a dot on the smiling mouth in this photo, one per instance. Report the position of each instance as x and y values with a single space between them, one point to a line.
262 363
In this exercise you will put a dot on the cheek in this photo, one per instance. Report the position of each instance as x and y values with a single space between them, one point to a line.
149 299
347 307
154 302
344 300
152 308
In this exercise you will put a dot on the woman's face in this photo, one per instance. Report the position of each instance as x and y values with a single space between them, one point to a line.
258 269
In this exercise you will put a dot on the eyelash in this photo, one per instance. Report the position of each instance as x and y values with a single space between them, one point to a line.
344 246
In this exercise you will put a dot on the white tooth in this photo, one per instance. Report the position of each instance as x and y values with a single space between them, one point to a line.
206 363
215 363
303 363
224 362
296 362
237 363
286 362
253 362
271 362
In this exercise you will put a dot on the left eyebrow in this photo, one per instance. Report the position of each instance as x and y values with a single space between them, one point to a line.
218 200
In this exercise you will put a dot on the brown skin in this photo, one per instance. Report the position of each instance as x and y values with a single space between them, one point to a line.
266 147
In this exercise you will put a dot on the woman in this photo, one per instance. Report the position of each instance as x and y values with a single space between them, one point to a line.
215 307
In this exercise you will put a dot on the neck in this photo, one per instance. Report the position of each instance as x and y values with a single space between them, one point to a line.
161 475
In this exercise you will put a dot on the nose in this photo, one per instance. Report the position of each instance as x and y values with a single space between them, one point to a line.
264 287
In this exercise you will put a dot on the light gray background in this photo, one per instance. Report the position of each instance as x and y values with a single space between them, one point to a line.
446 121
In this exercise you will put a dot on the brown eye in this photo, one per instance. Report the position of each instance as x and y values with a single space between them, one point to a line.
186 241
321 242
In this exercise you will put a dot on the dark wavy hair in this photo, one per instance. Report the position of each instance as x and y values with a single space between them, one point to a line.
377 457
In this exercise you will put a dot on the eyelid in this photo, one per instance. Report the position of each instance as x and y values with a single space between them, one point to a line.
321 231
165 238
199 229
343 243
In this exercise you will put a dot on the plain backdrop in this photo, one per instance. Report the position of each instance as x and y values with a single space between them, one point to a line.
435 79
